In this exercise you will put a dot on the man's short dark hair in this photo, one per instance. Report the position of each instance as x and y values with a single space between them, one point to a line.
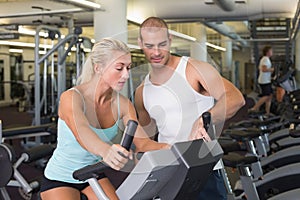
154 22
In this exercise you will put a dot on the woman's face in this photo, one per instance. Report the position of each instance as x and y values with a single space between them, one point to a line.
116 72
270 52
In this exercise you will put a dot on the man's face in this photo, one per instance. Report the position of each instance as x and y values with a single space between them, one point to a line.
155 43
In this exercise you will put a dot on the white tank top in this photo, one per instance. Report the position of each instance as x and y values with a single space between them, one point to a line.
175 105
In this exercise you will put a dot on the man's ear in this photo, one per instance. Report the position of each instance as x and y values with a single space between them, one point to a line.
140 42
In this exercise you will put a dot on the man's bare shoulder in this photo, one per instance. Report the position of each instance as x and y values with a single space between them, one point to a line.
199 69
197 64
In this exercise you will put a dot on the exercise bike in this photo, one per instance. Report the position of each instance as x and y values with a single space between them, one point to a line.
176 173
10 174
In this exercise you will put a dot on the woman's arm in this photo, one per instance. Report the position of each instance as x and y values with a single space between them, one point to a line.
141 140
264 68
71 111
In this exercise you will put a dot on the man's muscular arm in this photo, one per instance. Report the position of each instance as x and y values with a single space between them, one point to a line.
144 118
228 98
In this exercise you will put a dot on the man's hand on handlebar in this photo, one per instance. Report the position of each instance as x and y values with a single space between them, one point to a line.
198 131
117 156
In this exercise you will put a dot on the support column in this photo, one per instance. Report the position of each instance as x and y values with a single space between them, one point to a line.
297 58
71 25
5 65
28 54
297 52
198 48
112 23
226 56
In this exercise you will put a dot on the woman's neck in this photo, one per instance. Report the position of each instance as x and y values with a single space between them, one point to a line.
99 91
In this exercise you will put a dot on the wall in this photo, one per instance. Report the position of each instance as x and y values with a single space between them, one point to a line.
243 56
4 55
28 63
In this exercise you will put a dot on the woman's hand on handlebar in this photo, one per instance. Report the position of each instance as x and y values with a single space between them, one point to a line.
116 156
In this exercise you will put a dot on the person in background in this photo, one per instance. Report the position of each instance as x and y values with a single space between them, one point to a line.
264 80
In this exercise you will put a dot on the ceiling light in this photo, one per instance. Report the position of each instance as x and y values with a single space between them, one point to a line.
16 50
26 31
135 19
43 13
181 35
132 46
23 44
86 3
87 50
41 52
215 46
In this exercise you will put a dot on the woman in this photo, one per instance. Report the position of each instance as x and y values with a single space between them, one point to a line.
89 115
264 80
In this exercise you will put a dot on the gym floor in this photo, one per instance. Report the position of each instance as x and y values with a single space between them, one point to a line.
12 118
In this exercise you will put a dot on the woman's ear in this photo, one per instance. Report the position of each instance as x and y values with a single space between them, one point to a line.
98 69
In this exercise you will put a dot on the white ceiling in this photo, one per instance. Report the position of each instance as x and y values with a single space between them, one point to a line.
17 11
175 12
187 10
197 9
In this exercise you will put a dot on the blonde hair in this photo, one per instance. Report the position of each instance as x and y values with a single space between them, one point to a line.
101 53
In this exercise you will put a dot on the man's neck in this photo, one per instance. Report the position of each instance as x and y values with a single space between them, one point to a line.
171 64
160 75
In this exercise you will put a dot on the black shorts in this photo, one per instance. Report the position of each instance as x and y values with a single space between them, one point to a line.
48 184
266 89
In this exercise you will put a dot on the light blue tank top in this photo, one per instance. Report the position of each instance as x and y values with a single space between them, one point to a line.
69 155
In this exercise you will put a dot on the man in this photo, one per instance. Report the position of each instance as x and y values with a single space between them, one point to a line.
264 80
177 91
